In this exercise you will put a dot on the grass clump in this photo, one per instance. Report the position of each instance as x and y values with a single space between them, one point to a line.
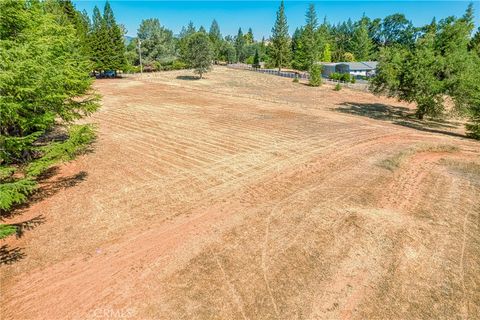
394 162
338 87
469 168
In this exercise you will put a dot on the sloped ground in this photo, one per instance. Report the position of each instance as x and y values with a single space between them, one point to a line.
246 196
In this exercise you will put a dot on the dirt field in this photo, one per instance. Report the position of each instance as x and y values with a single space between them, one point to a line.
247 196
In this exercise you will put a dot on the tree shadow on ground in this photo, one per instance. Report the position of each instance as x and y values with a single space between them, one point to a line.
188 78
9 256
401 116
48 187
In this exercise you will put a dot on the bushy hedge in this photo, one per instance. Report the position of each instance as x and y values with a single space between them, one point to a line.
345 77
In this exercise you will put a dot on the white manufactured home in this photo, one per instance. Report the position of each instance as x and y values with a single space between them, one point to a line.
357 69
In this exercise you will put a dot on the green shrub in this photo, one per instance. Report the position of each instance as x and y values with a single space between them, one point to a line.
346 77
338 87
353 80
334 76
295 79
315 75
179 65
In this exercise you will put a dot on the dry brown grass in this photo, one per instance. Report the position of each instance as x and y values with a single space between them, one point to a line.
247 196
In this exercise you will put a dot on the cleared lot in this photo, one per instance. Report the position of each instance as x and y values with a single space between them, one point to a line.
248 196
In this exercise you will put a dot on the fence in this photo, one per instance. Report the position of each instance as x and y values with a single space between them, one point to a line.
300 75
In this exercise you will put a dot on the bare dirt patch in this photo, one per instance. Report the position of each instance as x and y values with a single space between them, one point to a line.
247 196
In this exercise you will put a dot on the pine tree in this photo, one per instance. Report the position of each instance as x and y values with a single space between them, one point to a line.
361 43
115 45
256 60
249 37
474 44
214 32
310 47
216 39
240 46
280 39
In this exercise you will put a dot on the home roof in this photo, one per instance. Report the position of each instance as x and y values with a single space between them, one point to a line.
362 65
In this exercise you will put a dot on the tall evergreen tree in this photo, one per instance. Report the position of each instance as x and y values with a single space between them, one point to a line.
216 39
361 43
249 37
280 39
214 32
306 53
106 41
240 46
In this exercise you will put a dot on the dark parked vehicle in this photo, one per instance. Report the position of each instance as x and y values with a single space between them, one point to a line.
104 74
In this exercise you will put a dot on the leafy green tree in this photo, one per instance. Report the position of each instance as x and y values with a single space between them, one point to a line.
348 57
228 52
396 29
440 67
157 43
412 76
200 53
327 53
280 49
183 37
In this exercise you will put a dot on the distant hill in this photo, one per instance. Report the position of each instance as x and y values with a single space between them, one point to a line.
128 39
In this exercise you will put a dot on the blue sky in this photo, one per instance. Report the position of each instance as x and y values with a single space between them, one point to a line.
260 15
